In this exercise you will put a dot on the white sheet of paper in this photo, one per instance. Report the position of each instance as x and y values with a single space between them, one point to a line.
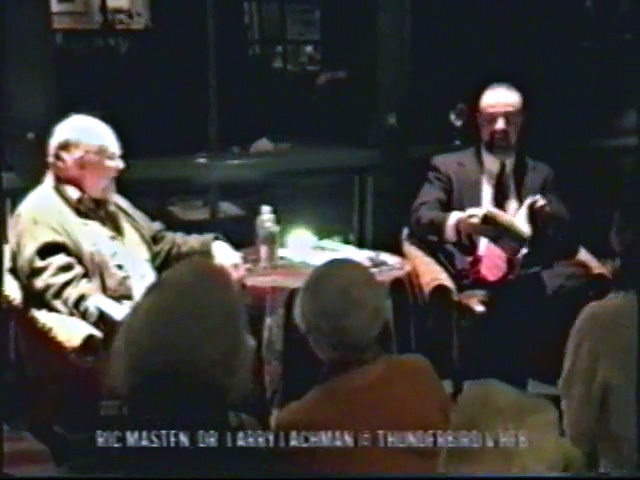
318 256
109 307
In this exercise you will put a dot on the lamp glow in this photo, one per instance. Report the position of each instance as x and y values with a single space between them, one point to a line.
300 239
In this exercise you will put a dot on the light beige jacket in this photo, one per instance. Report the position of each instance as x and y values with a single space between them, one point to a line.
55 260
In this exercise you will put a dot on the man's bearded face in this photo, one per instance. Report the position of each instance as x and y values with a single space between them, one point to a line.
500 119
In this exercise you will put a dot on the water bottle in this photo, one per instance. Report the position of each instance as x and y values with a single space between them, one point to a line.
267 236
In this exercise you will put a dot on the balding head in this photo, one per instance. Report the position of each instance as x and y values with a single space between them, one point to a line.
500 117
500 97
342 309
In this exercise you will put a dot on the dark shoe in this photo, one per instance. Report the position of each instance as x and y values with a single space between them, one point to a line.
442 306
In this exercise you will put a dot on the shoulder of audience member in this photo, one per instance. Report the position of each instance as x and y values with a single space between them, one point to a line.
598 316
414 369
418 375
295 415
414 363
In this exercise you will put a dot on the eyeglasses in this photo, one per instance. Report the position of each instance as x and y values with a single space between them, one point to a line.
101 158
102 153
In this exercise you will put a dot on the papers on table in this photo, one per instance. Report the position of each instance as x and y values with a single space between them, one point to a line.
326 250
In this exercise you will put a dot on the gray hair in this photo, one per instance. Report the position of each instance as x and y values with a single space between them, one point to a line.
491 407
342 310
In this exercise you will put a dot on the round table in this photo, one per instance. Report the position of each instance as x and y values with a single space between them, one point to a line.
275 289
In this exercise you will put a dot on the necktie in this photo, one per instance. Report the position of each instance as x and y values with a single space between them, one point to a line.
502 188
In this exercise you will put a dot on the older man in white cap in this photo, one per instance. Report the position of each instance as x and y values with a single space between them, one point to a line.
345 315
447 222
77 247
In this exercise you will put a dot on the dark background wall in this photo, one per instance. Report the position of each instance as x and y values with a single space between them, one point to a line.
577 78
156 93
28 93
571 89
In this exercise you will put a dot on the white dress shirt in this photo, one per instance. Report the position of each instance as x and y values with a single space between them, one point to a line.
491 168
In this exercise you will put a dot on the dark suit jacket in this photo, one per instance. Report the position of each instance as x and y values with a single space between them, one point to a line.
454 183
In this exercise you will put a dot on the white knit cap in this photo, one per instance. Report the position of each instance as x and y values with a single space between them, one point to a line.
341 309
84 129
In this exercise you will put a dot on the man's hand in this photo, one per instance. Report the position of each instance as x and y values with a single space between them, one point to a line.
228 257
540 204
470 225
595 266
539 211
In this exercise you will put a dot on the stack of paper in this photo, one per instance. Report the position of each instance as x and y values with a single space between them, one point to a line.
325 250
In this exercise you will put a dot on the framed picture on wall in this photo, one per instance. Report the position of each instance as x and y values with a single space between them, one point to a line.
88 14
129 14
68 6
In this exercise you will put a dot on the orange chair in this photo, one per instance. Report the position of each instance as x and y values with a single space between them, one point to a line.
441 343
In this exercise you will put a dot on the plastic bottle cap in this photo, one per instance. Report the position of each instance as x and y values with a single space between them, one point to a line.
266 209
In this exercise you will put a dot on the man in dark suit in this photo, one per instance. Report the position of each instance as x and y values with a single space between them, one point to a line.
445 223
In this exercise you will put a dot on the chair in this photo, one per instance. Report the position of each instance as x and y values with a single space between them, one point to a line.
56 362
442 343
430 276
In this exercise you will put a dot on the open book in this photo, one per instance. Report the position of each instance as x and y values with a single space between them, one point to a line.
511 233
